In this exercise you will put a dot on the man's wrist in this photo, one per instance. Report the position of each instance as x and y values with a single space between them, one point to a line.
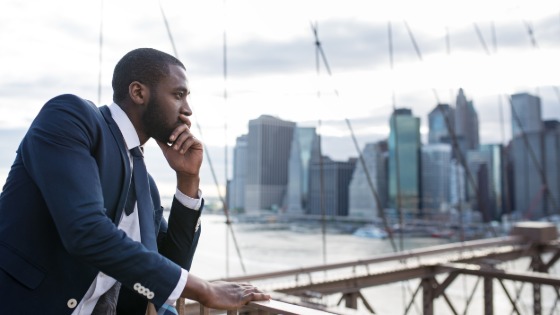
188 184
189 202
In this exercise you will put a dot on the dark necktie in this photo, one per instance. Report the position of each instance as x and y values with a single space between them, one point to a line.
139 187
140 191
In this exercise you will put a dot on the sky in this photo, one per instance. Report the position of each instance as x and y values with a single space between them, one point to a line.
485 47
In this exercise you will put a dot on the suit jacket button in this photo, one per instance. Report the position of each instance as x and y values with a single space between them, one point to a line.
137 286
72 303
150 295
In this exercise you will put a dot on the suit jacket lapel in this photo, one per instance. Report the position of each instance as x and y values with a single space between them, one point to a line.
146 218
124 157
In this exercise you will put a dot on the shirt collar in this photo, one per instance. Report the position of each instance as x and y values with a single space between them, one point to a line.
125 126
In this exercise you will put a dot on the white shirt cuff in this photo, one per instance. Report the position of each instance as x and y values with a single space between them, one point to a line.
176 294
187 201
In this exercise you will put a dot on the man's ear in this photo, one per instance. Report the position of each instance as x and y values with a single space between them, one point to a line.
139 93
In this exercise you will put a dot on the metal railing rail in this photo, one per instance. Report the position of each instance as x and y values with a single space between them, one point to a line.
414 253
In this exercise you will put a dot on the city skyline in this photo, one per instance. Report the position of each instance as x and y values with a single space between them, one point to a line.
272 67
518 179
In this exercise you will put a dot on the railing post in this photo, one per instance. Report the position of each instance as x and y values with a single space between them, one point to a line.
488 296
537 265
204 310
351 299
428 296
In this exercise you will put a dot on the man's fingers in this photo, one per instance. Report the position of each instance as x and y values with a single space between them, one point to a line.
184 141
253 293
162 145
261 296
178 132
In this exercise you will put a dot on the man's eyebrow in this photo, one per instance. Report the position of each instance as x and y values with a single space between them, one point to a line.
183 89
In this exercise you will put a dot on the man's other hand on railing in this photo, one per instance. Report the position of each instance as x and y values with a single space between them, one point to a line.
221 295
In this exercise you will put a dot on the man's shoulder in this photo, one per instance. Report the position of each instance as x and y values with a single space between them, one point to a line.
71 105
72 99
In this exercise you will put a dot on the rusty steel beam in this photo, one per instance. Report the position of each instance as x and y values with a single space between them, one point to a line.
532 277
351 284
403 255
408 273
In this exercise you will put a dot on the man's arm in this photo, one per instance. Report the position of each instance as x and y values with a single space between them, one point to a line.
185 158
58 153
178 238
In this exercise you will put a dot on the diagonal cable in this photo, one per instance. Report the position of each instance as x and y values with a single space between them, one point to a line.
314 27
214 177
318 44
451 131
379 206
481 38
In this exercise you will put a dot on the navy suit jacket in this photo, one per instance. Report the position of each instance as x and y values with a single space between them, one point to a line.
59 211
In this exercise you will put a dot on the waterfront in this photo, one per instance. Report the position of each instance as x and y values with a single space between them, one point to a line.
270 247
266 249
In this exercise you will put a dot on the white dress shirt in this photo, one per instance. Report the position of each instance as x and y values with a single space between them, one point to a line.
130 225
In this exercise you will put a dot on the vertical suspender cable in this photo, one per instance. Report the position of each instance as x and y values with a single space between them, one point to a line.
320 53
449 127
314 27
226 205
393 120
100 54
542 173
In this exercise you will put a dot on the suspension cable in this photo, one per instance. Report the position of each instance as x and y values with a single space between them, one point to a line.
100 54
379 205
207 154
318 54
455 143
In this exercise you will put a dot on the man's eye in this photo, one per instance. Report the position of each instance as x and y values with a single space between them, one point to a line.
180 94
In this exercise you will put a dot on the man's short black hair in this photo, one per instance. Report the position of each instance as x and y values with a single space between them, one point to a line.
145 65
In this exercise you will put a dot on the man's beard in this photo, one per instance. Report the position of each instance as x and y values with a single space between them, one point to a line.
154 121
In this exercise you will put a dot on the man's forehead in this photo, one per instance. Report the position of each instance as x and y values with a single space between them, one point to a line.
178 76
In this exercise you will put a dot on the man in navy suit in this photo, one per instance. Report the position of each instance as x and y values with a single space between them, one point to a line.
72 241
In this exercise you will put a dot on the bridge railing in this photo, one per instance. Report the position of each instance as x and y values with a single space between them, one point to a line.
260 308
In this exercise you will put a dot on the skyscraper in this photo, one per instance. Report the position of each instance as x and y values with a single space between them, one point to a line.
362 199
457 186
466 124
526 152
268 151
436 168
438 119
532 154
525 114
328 186
305 148
236 189
404 161
496 170
552 164
479 188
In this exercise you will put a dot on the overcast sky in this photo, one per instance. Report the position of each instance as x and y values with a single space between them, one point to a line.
52 47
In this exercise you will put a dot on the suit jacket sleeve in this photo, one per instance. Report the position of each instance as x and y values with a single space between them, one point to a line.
178 239
58 154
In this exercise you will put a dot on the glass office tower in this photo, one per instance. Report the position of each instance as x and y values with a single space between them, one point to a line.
404 161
